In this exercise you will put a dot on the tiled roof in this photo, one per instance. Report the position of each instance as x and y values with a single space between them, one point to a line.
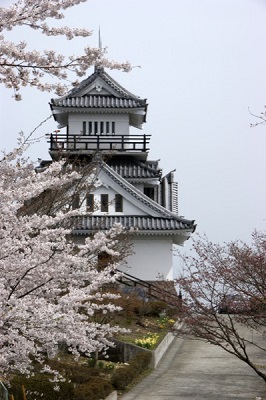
97 101
100 72
141 223
131 168
120 98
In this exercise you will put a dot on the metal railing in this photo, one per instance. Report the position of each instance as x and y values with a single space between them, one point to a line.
151 290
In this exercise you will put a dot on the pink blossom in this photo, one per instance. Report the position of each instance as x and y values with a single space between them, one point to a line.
21 67
46 279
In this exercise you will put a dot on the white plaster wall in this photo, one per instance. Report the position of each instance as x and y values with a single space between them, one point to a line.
152 257
139 186
75 122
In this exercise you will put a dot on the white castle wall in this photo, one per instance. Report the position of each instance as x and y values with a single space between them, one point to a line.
75 122
152 258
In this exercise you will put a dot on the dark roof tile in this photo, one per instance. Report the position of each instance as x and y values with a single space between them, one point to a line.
140 223
130 168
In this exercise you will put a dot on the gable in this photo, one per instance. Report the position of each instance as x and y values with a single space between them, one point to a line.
134 196
98 86
100 83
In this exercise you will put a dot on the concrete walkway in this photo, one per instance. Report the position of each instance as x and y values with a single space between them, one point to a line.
192 369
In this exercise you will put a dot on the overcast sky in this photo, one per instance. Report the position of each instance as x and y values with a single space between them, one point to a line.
203 67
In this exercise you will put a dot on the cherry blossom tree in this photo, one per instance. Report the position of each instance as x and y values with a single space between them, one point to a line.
21 67
224 297
49 285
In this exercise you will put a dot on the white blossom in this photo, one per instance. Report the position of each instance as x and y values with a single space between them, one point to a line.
49 286
21 67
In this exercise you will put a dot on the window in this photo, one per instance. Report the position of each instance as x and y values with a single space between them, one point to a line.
90 127
104 202
84 127
75 201
118 203
149 191
98 127
104 259
90 202
113 128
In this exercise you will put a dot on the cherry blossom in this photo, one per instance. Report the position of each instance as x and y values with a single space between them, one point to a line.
49 285
21 67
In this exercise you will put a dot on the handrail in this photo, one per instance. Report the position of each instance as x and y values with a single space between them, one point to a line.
81 136
65 142
151 287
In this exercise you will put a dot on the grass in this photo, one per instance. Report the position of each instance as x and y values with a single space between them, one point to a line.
149 326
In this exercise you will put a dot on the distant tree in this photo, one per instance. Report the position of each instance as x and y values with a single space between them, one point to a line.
260 119
21 67
224 291
50 287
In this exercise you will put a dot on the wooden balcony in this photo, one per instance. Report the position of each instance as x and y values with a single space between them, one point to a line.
88 144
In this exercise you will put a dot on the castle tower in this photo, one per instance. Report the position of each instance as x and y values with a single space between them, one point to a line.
130 189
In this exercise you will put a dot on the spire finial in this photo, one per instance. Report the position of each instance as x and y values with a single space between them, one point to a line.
98 68
100 39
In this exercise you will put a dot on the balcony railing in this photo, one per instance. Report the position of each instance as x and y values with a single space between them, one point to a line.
90 143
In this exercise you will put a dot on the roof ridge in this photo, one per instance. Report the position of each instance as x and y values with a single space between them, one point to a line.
147 167
111 81
129 164
108 79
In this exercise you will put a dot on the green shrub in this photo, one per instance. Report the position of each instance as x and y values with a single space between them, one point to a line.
155 308
82 387
141 361
132 305
39 387
122 377
97 388
75 372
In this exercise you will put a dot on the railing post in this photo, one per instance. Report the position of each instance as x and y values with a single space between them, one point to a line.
144 143
122 143
149 289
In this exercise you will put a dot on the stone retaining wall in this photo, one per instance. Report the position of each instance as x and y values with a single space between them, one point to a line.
127 351
124 352
159 352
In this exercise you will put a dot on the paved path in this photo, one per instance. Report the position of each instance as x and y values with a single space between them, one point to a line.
192 369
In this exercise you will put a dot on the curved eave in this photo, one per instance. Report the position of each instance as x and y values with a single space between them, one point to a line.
179 237
180 229
151 181
137 116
